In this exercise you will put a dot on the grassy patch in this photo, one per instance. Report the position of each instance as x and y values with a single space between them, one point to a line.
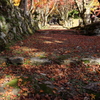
13 83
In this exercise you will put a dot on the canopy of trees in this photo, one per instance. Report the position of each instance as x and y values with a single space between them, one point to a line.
42 10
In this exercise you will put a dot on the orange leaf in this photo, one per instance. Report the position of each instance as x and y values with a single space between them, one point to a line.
54 91
20 80
41 91
25 89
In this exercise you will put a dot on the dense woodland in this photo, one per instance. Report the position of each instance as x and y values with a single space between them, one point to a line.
41 13
43 56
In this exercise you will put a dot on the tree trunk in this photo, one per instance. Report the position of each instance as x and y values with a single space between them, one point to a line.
81 8
23 5
46 20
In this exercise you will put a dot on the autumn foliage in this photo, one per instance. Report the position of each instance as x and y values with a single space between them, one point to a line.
66 80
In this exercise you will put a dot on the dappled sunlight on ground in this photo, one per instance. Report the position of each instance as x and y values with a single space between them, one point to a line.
66 80
73 43
48 42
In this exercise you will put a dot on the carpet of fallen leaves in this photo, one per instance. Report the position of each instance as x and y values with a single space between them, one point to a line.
66 81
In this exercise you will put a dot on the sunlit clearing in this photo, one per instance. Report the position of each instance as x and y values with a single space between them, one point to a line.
58 41
28 49
37 54
48 42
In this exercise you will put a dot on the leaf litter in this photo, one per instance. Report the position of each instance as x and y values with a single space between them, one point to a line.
56 81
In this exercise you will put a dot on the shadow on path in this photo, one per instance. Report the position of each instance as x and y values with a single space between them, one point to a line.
66 79
50 41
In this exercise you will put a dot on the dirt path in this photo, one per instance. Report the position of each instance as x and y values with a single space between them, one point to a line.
49 41
56 27
55 81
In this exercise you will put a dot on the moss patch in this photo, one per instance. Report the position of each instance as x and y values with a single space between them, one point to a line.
13 83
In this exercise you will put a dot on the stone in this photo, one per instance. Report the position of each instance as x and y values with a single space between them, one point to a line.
92 61
95 61
15 60
94 86
48 82
97 31
70 62
86 60
14 26
42 74
39 61
2 36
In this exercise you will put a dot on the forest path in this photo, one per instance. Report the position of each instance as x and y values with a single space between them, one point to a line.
64 80
49 41
59 29
56 27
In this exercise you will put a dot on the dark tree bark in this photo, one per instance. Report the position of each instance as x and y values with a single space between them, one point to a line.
22 4
99 1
